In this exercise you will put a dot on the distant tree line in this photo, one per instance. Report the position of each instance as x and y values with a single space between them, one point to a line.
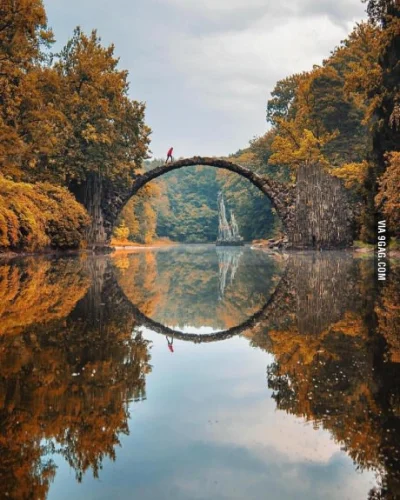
182 206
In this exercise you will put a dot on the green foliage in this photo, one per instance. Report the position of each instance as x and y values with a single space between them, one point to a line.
187 211
380 10
39 216
255 216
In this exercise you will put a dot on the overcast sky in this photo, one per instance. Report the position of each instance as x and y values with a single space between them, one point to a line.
205 68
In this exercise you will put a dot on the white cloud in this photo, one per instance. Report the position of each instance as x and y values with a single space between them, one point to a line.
236 69
209 65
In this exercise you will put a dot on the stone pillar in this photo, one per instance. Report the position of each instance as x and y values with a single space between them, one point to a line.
322 217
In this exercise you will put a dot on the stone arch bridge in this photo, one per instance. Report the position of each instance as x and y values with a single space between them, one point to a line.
315 210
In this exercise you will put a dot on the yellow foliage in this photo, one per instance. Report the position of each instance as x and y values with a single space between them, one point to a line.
294 145
121 232
246 158
37 216
40 352
353 174
388 313
388 199
138 218
29 293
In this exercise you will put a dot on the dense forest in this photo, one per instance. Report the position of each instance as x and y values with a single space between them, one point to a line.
68 125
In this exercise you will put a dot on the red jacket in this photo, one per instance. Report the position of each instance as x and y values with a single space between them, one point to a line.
170 152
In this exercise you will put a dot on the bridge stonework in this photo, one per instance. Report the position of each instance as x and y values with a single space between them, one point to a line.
315 211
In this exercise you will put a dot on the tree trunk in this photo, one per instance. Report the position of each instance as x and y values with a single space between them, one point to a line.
89 193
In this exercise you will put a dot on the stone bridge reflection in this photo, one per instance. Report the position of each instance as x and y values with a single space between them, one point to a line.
307 290
70 365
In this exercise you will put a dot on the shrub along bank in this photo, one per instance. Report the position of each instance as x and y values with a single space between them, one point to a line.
39 216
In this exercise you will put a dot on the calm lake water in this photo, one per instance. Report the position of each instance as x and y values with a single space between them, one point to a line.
199 373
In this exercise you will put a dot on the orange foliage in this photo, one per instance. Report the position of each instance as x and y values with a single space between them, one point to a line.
35 291
66 378
388 198
388 312
36 216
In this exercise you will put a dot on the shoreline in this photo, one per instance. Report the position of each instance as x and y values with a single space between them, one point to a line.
111 249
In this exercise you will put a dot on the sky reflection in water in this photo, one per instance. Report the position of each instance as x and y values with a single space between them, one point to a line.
290 408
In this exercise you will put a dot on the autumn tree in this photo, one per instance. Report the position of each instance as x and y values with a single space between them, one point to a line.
344 114
381 90
107 137
388 199
282 102
66 119
121 232
138 219
315 117
30 123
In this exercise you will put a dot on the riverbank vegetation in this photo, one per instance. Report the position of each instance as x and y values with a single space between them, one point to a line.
37 216
67 122
345 115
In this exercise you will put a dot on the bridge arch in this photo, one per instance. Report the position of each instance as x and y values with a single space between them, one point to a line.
316 211
280 195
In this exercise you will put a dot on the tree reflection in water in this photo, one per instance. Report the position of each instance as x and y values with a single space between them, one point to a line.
70 365
198 286
67 374
339 365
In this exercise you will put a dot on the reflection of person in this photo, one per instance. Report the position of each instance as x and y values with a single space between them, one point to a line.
169 155
170 344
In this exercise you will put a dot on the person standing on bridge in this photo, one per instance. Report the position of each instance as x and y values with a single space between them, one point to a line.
169 155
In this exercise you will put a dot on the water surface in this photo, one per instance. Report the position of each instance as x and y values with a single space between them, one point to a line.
197 373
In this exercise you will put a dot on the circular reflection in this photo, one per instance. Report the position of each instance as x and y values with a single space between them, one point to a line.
197 290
